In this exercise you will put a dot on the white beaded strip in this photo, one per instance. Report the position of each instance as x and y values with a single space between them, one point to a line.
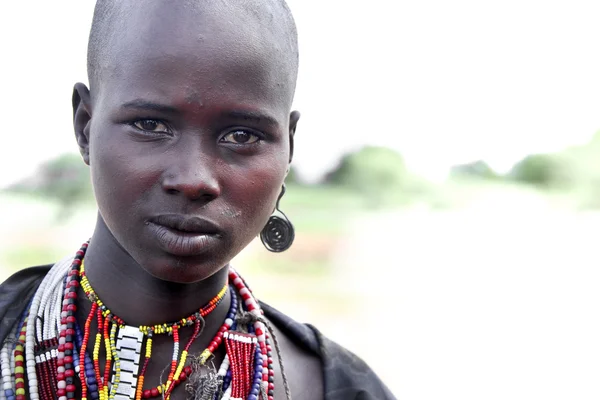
128 349
49 315
48 299
55 305
36 305
5 363
45 310
224 366
55 316
12 365
59 269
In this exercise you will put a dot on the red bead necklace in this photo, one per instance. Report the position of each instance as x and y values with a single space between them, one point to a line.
248 357
104 319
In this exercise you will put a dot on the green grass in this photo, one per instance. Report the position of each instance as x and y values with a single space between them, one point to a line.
327 209
322 197
281 265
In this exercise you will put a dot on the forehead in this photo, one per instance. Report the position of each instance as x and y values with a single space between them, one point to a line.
201 54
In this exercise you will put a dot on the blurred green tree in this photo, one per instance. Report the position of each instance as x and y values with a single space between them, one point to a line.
374 172
476 169
544 170
64 179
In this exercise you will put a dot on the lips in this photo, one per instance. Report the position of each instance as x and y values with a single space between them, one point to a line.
184 236
186 224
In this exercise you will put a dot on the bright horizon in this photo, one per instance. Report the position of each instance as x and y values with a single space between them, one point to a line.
442 83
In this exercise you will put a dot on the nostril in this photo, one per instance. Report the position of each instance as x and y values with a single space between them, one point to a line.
192 185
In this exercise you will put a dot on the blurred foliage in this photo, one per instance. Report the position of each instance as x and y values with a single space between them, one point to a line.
371 167
541 170
476 169
575 170
377 174
64 179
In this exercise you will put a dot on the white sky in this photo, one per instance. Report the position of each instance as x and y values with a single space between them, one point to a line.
442 82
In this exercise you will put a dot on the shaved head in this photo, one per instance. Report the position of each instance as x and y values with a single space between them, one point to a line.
268 22
188 112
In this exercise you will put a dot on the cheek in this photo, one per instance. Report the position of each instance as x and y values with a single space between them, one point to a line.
254 192
121 175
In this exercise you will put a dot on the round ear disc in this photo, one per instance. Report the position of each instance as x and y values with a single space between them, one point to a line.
278 235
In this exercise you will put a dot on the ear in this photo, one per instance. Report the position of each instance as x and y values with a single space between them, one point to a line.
294 118
82 117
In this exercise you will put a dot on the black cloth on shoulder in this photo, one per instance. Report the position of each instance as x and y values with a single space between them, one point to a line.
346 376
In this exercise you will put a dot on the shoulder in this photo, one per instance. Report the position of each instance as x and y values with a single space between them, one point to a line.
348 376
15 293
320 368
24 278
295 343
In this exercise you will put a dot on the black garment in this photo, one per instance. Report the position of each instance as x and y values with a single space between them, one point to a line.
346 376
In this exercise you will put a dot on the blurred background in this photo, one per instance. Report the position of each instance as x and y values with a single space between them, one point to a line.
445 187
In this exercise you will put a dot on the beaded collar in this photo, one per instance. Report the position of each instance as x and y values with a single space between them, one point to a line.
47 355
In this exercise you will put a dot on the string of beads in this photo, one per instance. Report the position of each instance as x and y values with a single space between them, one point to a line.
52 357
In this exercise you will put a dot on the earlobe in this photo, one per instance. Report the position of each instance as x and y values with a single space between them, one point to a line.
82 117
294 118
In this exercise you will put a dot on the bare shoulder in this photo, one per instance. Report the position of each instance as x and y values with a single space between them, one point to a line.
304 370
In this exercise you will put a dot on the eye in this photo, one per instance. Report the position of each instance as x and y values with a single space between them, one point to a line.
240 137
151 125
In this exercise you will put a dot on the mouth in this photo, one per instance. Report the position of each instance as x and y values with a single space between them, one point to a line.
184 236
186 224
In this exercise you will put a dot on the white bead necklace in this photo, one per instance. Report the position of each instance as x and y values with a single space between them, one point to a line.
5 364
54 276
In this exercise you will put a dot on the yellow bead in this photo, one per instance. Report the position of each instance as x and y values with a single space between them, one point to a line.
204 356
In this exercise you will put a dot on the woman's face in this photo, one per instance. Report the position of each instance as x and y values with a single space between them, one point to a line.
189 143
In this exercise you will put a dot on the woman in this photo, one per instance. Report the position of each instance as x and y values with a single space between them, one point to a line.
187 130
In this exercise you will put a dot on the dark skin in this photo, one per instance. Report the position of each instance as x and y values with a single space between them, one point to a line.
192 120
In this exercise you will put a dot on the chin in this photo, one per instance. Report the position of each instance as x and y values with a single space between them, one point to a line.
181 270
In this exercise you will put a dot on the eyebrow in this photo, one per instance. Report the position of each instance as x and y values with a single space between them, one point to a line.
151 106
254 116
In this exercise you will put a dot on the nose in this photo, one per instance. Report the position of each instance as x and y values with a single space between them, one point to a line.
192 177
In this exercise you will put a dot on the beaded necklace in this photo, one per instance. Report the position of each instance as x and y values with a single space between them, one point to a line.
52 352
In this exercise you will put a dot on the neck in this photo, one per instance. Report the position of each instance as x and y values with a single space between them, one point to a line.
139 298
